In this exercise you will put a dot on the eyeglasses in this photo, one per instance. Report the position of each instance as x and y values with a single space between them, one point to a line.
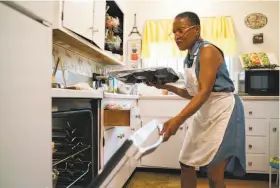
181 33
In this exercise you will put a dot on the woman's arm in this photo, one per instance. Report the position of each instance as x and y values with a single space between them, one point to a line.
178 91
210 61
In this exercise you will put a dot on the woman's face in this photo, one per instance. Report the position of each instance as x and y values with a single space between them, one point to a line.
185 34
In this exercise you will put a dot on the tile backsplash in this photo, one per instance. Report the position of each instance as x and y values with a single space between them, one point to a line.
77 68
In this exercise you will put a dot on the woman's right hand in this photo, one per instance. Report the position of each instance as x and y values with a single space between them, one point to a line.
158 86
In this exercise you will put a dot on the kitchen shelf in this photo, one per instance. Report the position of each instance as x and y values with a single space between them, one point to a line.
69 40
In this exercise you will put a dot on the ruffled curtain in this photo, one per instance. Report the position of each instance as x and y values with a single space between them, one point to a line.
157 43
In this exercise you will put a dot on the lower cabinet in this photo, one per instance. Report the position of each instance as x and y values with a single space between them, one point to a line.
262 133
167 154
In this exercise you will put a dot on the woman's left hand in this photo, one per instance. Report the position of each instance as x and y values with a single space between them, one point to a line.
170 127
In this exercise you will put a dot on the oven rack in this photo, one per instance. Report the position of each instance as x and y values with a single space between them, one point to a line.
58 161
66 182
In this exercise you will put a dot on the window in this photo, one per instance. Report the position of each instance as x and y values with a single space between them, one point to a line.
178 64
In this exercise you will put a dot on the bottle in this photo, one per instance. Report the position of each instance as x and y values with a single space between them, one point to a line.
111 84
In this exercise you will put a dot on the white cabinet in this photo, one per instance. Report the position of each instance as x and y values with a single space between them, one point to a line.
170 149
274 138
78 17
163 110
86 18
262 140
98 27
262 132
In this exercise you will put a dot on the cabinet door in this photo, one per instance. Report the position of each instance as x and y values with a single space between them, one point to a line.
274 137
78 17
98 27
135 119
111 143
170 149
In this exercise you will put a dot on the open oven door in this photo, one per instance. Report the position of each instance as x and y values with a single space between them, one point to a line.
131 148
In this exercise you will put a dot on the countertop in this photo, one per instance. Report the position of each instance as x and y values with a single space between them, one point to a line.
120 96
175 97
68 93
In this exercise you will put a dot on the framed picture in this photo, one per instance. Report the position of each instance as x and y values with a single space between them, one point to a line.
258 38
134 52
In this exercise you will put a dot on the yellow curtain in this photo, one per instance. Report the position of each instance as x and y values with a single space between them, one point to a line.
217 30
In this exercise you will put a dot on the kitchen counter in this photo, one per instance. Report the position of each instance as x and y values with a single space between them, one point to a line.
68 93
175 97
120 96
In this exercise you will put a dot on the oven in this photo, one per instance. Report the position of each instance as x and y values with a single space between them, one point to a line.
76 136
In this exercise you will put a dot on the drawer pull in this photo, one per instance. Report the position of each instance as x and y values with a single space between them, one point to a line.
132 129
250 112
121 136
181 128
250 163
137 116
250 146
274 129
250 128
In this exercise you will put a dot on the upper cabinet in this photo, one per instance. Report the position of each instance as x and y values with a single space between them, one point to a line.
98 27
78 17
81 27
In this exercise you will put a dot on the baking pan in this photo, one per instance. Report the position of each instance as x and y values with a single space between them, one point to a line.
160 75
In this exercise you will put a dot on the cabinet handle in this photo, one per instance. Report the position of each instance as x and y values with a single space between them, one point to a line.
250 163
137 116
250 146
93 30
181 128
274 129
250 112
250 128
132 129
121 136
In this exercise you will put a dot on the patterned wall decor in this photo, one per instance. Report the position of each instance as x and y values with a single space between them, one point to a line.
255 20
75 63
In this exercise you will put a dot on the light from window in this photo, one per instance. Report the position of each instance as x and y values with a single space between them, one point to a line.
178 64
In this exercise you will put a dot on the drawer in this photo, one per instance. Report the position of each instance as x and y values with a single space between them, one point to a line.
261 109
256 162
257 145
116 117
256 127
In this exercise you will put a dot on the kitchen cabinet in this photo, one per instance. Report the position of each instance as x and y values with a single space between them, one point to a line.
262 131
261 134
173 145
86 18
78 17
80 27
114 137
98 27
274 138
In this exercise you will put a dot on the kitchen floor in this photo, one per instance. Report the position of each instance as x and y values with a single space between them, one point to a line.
168 180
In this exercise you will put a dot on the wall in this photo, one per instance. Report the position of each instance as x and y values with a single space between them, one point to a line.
149 10
167 9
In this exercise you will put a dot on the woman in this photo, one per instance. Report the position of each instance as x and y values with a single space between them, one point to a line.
216 139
